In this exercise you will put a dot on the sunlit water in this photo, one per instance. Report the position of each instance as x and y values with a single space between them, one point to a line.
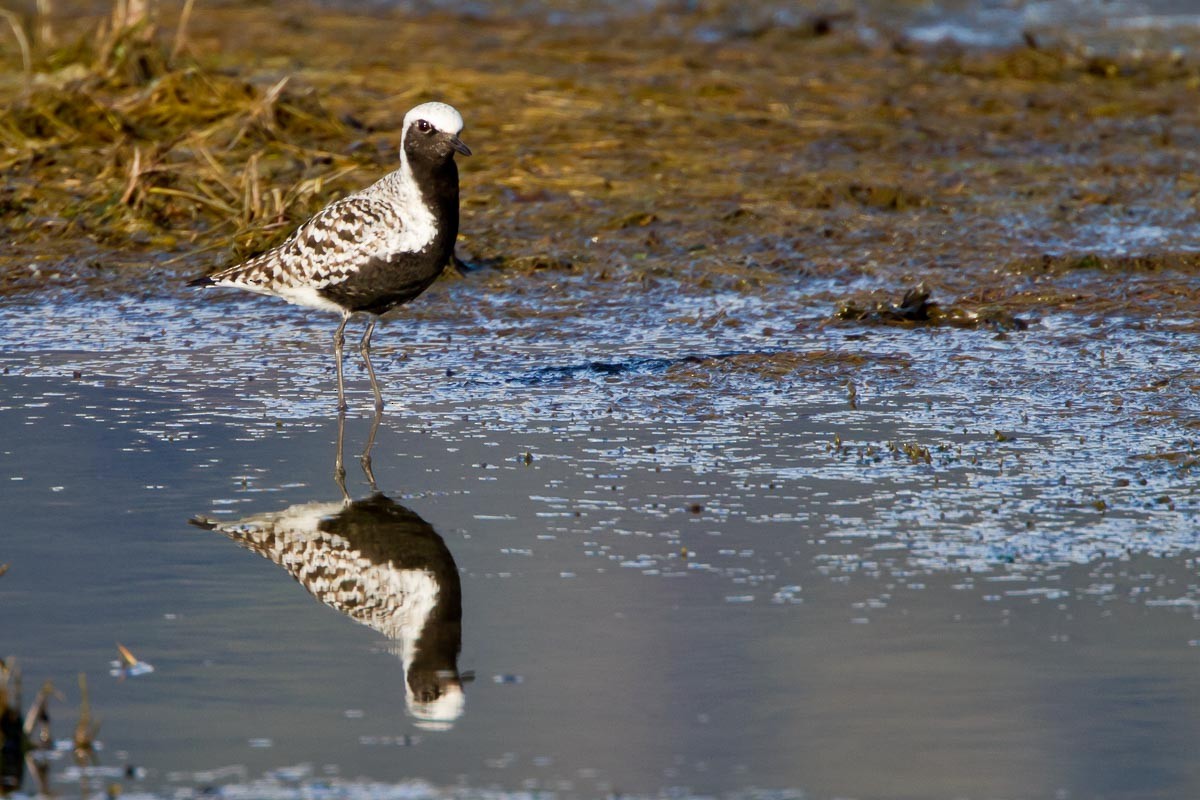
1106 24
701 548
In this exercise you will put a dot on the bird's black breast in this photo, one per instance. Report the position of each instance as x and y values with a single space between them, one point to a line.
386 281
383 283
385 532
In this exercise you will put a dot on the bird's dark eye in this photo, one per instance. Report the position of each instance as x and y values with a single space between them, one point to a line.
423 126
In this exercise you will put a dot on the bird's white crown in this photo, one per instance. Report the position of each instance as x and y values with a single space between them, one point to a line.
441 116
439 714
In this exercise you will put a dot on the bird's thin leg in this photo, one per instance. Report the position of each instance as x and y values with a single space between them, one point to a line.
365 458
364 347
339 339
339 468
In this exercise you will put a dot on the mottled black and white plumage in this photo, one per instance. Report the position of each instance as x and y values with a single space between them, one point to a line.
375 249
380 564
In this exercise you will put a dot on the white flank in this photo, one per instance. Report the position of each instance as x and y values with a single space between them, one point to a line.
301 295
299 520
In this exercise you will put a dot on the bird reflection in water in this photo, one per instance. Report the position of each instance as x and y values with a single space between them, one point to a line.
382 565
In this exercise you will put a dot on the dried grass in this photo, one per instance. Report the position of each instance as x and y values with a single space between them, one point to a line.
121 138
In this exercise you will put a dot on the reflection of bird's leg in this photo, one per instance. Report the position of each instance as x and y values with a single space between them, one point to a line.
364 347
339 339
339 468
38 718
39 768
365 458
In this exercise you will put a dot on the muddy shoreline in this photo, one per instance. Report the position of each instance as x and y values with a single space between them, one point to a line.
1026 179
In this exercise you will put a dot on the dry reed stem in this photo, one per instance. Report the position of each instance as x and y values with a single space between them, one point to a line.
251 191
135 174
185 16
219 173
23 43
213 203
85 730
205 187
38 714
45 29
263 112
129 14
139 11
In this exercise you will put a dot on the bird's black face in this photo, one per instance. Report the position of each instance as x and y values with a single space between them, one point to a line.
426 143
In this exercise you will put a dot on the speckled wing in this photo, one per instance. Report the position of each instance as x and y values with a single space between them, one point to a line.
326 250
376 591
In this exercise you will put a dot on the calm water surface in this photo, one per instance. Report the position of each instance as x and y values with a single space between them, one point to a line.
680 571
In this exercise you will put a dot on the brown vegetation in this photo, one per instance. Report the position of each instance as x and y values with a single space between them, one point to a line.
767 154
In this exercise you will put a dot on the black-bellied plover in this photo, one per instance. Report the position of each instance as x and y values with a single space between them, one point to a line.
375 249
384 566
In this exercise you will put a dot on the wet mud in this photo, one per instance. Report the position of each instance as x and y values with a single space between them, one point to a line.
915 308
639 147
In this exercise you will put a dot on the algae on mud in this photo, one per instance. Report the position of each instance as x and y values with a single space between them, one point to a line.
637 148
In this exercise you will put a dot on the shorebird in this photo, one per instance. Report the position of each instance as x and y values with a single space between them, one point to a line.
380 564
375 249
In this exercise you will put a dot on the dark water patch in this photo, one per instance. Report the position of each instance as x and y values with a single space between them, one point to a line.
765 364
587 564
604 368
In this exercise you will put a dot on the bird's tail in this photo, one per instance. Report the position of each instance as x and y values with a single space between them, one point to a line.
205 280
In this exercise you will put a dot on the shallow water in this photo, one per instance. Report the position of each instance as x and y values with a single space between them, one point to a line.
709 540
696 556
974 23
